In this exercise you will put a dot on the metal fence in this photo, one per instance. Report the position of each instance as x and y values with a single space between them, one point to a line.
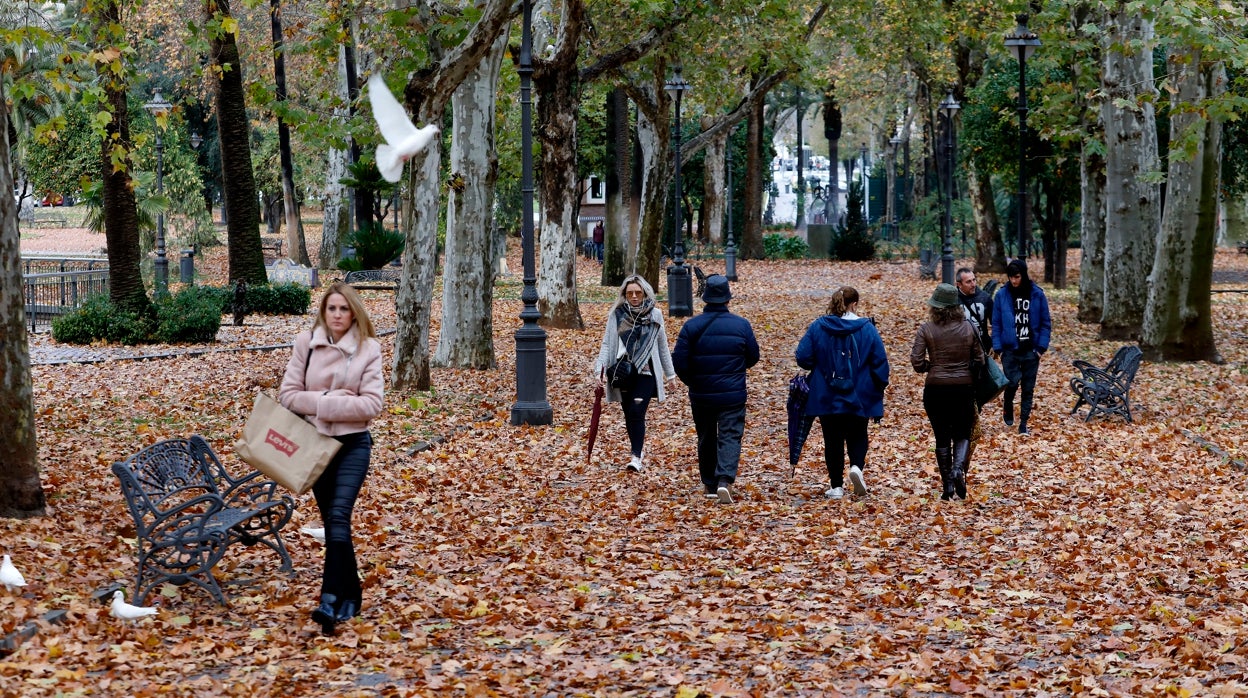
52 294
46 265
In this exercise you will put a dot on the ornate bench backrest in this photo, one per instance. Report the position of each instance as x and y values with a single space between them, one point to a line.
163 476
1125 363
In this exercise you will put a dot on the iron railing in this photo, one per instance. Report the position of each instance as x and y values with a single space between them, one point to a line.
45 265
52 294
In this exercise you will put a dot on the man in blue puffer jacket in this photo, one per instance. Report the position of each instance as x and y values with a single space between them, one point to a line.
712 354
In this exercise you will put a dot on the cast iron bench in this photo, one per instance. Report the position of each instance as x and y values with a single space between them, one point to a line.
375 279
1107 390
188 510
273 244
1242 247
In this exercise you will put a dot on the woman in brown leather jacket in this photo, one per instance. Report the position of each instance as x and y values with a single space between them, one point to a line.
945 347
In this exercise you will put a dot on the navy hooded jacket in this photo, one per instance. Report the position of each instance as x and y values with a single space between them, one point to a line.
870 367
712 353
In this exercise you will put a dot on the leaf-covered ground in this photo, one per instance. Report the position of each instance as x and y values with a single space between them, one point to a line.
1091 559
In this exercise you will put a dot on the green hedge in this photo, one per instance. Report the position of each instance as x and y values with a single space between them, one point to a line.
776 246
192 315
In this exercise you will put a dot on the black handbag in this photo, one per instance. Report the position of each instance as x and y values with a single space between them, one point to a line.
622 374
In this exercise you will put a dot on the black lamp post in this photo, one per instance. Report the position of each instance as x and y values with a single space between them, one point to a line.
679 283
1022 42
948 108
730 248
531 405
862 157
159 108
894 195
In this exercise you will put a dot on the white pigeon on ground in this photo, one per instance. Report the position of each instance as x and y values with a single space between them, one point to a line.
317 533
403 139
10 576
125 611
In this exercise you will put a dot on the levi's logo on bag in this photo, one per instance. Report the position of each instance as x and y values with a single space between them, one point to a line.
281 443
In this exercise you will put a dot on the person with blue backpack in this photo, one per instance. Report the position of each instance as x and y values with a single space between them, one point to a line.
849 372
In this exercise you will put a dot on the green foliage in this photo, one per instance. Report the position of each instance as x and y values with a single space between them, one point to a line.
278 299
777 246
852 242
98 319
66 153
191 315
374 247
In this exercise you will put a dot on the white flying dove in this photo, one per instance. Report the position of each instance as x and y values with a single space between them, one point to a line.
125 611
9 575
317 533
403 139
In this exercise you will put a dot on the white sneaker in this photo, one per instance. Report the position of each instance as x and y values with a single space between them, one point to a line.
835 493
860 485
635 464
724 494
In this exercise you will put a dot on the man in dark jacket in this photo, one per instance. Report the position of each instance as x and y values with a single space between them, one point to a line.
976 305
711 356
1021 326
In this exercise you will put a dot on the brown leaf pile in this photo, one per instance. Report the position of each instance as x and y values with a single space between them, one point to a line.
1097 559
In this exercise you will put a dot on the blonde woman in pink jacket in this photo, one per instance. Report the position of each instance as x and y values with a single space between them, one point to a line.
334 380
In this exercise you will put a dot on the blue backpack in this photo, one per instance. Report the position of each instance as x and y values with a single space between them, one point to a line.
844 355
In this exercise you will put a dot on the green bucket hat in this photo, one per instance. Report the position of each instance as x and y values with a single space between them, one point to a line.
945 296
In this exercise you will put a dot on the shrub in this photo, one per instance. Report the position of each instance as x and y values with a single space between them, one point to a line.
853 242
192 315
374 247
777 246
97 318
278 299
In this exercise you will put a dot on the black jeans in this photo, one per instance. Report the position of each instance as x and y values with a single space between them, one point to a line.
1020 368
336 492
843 432
635 404
719 441
951 412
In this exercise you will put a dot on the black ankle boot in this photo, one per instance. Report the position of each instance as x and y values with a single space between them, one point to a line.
961 452
1008 415
944 462
325 614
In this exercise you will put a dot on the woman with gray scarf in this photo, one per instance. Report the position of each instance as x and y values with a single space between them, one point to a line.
635 330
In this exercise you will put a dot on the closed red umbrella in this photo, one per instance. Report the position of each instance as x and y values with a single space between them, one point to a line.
593 422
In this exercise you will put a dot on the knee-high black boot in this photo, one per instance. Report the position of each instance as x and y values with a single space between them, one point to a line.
961 454
944 461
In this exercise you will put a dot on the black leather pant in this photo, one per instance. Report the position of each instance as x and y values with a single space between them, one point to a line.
336 492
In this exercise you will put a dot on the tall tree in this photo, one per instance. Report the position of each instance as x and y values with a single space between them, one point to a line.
428 91
246 260
1132 195
120 211
1178 323
21 491
294 222
619 249
466 336
336 216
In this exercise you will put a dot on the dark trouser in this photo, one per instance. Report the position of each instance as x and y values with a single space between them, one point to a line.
335 492
1020 368
843 432
951 412
719 441
635 403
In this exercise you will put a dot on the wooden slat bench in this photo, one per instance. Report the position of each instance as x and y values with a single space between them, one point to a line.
375 279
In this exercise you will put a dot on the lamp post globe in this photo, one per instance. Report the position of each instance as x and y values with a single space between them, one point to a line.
159 108
948 109
679 281
1022 42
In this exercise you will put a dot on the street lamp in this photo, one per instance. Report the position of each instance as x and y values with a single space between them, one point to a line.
730 248
948 108
893 194
679 284
531 405
1022 42
196 140
862 156
159 108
